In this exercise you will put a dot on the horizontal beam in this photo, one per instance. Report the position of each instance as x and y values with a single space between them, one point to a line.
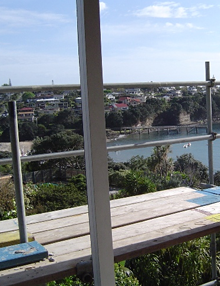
59 155
8 89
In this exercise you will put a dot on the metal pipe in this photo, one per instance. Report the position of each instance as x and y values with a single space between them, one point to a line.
213 251
62 87
17 171
209 123
59 155
210 283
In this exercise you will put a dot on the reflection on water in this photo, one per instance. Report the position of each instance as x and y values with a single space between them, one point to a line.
199 149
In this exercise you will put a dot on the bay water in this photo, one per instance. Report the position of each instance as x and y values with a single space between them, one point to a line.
198 149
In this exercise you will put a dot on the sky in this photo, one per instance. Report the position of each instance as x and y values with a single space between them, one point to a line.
142 41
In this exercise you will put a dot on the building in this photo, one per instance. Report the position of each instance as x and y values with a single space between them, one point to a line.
26 114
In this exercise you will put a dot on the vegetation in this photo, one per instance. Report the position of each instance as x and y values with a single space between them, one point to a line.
157 110
185 264
5 169
123 277
59 142
163 112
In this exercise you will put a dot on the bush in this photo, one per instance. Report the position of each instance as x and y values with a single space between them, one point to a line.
50 197
187 264
7 202
118 178
123 277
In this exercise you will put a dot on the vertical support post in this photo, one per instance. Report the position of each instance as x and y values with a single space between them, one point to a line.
209 122
17 171
88 20
210 158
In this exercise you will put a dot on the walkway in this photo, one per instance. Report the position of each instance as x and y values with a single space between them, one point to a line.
140 225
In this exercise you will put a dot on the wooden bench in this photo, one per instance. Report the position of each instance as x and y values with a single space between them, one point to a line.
140 225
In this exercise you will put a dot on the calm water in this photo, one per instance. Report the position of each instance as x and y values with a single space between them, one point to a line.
198 149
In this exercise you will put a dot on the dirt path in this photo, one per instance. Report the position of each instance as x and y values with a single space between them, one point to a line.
24 146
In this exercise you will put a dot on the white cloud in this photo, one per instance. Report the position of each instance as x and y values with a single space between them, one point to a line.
102 6
175 27
155 11
133 29
163 10
171 10
180 12
204 6
22 17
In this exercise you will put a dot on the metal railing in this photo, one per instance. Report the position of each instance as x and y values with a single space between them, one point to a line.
209 83
75 153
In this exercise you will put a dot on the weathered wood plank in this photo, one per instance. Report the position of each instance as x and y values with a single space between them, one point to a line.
12 224
12 237
126 215
125 246
44 271
72 226
140 225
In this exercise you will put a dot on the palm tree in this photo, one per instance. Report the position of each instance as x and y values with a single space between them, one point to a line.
159 162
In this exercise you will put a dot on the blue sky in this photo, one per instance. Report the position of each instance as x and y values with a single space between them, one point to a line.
142 41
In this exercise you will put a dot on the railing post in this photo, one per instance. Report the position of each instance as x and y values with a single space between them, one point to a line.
210 158
88 20
17 171
209 122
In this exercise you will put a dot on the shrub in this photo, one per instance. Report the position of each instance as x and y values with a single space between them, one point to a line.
123 277
187 264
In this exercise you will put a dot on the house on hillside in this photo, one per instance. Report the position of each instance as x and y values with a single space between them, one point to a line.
134 91
26 114
130 101
119 106
110 96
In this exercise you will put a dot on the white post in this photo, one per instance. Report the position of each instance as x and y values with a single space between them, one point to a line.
88 20
210 156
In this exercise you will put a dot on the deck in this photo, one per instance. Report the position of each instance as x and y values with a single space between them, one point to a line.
140 225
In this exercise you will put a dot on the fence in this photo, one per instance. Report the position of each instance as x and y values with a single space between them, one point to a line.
208 83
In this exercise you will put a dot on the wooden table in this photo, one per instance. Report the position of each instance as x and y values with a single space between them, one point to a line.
140 225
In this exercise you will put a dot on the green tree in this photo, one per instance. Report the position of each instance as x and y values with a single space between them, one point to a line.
4 123
46 120
41 130
217 178
5 136
136 182
59 142
66 118
27 95
114 119
138 163
196 172
159 162
27 131
130 118
5 169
